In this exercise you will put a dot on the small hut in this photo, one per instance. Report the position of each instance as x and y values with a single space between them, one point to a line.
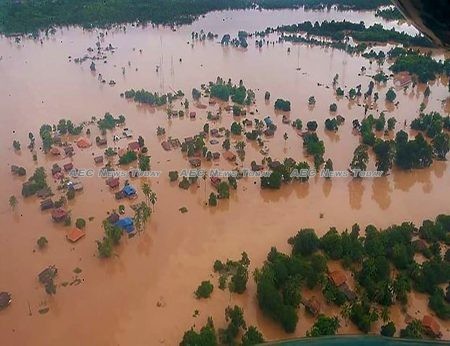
98 159
195 162
215 181
83 143
59 214
112 182
113 218
228 155
75 234
46 204
5 300
55 151
134 146
68 166
166 146
48 274
312 306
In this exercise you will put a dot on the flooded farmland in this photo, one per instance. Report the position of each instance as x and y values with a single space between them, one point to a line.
143 295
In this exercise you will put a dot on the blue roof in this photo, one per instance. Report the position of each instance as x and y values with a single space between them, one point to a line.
129 190
126 224
268 121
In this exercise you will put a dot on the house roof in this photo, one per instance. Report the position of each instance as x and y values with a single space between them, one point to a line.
228 155
126 224
431 325
134 146
58 213
68 166
129 190
55 151
75 234
98 159
112 182
337 277
83 142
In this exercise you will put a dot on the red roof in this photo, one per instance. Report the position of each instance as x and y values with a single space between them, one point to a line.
75 234
58 213
83 143
112 182
68 166
431 325
338 277
134 146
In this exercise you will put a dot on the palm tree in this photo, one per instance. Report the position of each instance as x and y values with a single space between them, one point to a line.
146 190
141 215
385 314
153 198
13 202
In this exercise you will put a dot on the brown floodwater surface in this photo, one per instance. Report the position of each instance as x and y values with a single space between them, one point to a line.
143 295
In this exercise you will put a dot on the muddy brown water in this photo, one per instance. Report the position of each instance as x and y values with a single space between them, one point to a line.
117 300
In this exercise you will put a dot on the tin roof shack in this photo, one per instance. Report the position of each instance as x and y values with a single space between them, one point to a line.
247 122
339 279
68 166
112 182
5 300
68 150
402 79
255 167
431 327
312 306
83 143
192 115
174 142
101 141
55 151
195 162
75 234
269 132
228 155
134 146
216 155
48 274
59 214
285 119
274 165
129 191
127 133
98 159
47 204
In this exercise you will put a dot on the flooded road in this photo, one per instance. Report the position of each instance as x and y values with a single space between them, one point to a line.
144 294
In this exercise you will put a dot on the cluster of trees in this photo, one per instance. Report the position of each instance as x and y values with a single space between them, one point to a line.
204 290
280 279
383 265
282 105
35 183
238 93
108 122
66 126
112 237
314 146
423 66
208 336
233 274
153 99
288 170
25 17
338 31
391 13
127 158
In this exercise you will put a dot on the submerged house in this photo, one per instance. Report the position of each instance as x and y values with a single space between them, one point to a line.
59 214
134 146
112 182
228 155
268 121
5 300
113 218
312 306
98 159
68 166
195 162
75 234
46 204
126 224
339 279
129 191
48 274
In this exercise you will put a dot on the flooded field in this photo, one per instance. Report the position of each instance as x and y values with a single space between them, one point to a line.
144 294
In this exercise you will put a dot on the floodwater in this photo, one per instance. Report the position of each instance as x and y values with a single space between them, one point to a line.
144 294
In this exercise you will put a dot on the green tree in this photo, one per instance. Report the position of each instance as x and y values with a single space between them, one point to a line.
42 242
441 145
204 290
80 223
223 189
206 337
391 95
360 158
324 326
226 144
141 216
13 202
252 336
305 242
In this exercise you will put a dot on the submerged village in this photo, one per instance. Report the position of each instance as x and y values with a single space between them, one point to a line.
185 185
